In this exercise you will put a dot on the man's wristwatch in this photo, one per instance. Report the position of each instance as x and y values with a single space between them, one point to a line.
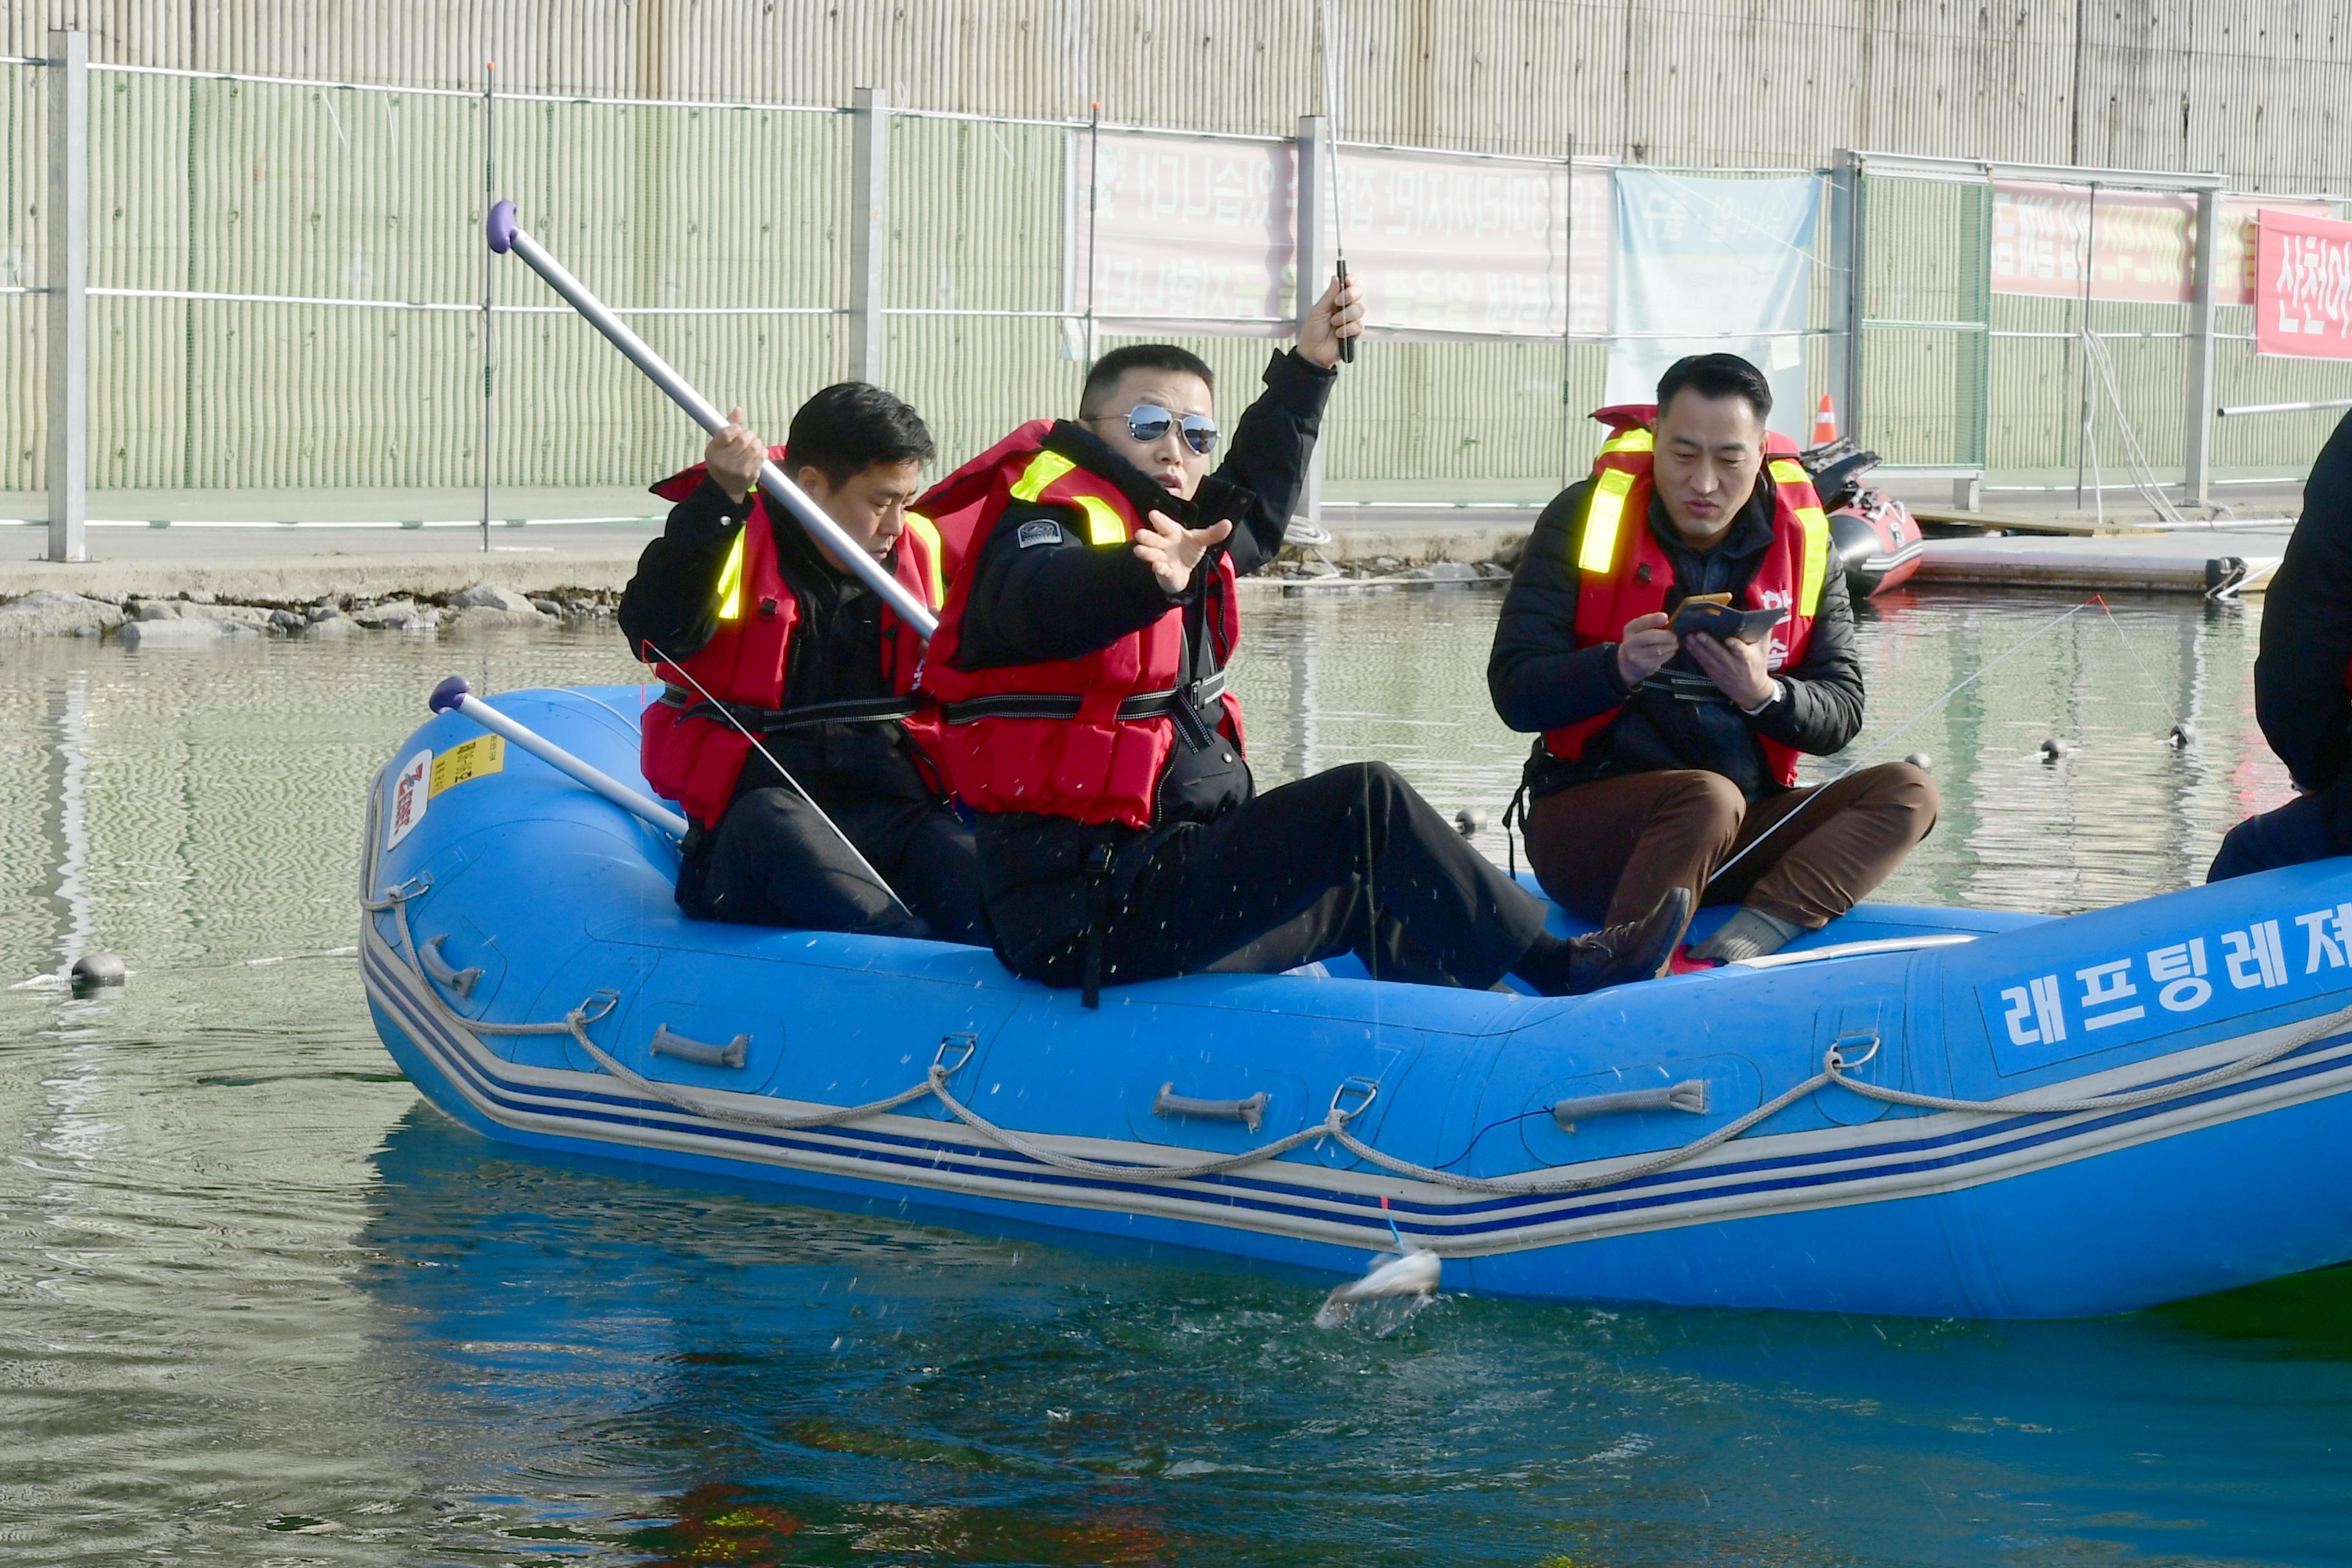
1778 692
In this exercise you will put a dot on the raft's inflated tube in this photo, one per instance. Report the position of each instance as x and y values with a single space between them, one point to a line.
456 695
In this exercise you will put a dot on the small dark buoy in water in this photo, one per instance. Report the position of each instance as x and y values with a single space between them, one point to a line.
2184 734
2053 748
96 972
1469 822
1922 760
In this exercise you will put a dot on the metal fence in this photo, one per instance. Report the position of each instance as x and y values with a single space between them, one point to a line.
2060 385
285 295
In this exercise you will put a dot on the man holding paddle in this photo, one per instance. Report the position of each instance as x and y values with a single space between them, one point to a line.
1679 635
788 728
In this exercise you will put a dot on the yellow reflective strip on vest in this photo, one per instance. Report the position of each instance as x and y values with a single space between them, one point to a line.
1789 471
1602 515
1637 439
1817 559
1042 470
730 581
922 528
1103 525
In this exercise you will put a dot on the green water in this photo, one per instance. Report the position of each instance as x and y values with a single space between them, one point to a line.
258 1305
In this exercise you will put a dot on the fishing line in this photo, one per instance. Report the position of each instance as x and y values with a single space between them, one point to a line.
1898 733
1331 140
761 747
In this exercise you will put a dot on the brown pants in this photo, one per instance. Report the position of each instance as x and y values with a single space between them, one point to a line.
1609 850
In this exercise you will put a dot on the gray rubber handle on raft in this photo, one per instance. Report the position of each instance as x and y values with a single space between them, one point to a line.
505 234
461 981
667 1042
1690 1095
1250 1112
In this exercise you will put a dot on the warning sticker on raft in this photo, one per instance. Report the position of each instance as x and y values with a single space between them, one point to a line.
411 790
468 760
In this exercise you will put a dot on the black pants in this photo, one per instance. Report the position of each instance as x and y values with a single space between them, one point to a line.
2308 828
1349 860
773 862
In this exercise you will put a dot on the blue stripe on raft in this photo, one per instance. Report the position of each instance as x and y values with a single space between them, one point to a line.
1239 1193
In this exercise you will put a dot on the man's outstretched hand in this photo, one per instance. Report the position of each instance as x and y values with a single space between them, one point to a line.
1172 550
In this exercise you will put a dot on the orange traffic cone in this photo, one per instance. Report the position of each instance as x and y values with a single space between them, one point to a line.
1824 422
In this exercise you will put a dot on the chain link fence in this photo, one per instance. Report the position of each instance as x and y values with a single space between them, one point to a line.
287 280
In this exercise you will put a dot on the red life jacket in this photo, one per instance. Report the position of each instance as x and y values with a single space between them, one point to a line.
1085 737
1626 571
688 750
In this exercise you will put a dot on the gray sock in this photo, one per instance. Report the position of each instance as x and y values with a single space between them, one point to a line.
1749 934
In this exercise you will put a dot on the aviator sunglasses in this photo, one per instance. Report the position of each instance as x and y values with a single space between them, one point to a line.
1148 422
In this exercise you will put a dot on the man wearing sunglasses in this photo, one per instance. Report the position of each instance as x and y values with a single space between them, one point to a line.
1080 668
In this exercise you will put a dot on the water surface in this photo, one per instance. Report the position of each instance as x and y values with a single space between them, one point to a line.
259 1305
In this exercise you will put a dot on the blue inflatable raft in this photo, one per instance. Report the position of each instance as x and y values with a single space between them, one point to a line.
1918 1110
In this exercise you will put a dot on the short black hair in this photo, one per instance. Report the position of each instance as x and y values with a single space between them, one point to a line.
853 425
1717 375
1139 356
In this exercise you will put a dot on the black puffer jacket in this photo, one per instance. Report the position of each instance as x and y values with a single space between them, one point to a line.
1540 679
2299 693
837 651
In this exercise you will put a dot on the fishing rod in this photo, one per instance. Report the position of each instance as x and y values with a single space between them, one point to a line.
1898 732
800 789
1331 114
506 233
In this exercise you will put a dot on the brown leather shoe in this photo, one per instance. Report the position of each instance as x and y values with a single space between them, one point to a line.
1638 949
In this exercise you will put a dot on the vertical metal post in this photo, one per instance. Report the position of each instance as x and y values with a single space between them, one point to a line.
869 233
1088 348
1848 291
1311 263
2090 262
2197 448
490 199
68 284
1567 422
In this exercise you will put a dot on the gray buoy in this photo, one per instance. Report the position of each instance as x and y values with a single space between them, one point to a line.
97 972
2053 748
1469 822
1922 760
2183 735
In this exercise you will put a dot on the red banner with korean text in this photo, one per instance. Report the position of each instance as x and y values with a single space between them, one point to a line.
2137 246
2303 267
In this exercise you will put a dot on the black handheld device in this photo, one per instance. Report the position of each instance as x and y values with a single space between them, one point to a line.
1724 622
1347 345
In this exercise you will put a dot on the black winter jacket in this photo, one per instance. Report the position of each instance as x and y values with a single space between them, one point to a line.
1060 597
2299 694
837 652
1540 679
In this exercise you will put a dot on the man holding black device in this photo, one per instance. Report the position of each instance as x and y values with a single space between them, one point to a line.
1680 635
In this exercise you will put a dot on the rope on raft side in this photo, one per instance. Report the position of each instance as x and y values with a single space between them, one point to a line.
1835 1070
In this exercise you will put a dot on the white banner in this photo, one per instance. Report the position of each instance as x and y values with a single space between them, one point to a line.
1711 266
1196 234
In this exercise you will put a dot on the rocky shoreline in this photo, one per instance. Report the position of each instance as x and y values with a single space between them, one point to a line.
199 619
